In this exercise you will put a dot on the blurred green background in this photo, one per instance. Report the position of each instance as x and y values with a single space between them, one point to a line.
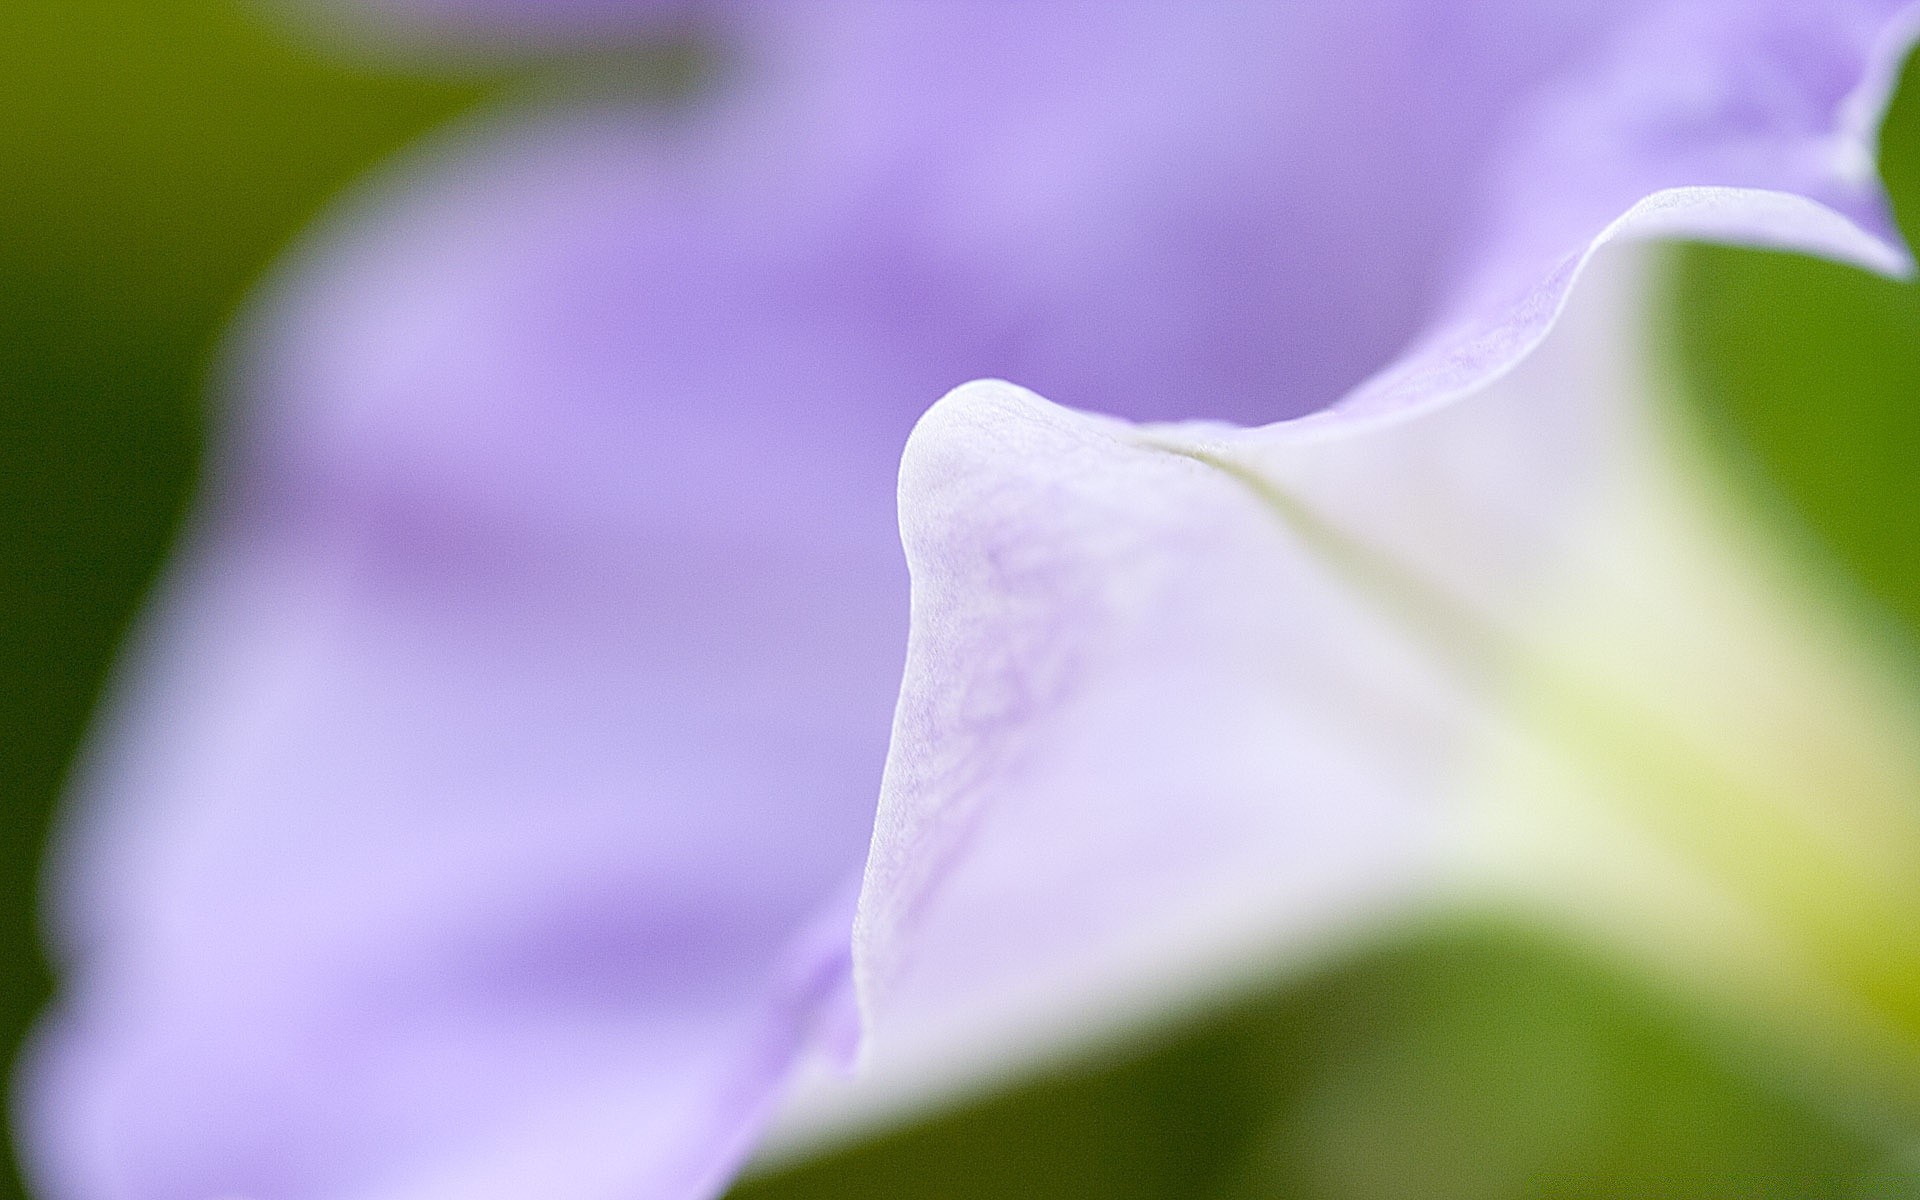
155 157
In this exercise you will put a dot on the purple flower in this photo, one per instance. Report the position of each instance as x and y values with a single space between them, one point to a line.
485 806
1182 701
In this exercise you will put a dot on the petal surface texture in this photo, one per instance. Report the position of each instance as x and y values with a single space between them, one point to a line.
482 811
1179 704
1159 727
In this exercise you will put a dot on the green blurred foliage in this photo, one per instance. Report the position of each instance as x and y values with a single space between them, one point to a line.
1808 375
1472 1061
155 156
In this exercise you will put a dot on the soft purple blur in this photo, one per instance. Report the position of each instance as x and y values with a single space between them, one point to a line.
482 808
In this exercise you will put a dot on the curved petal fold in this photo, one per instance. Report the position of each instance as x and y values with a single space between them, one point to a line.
1182 705
1165 719
1379 204
1753 124
481 814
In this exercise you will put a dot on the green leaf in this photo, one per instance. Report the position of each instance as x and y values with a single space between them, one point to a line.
1807 377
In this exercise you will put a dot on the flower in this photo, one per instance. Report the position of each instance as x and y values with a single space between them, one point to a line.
485 805
1181 697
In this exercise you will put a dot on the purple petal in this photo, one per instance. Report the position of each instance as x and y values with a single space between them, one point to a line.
1180 710
1292 196
485 814
1289 196
500 754
1097 796
1247 211
1754 124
